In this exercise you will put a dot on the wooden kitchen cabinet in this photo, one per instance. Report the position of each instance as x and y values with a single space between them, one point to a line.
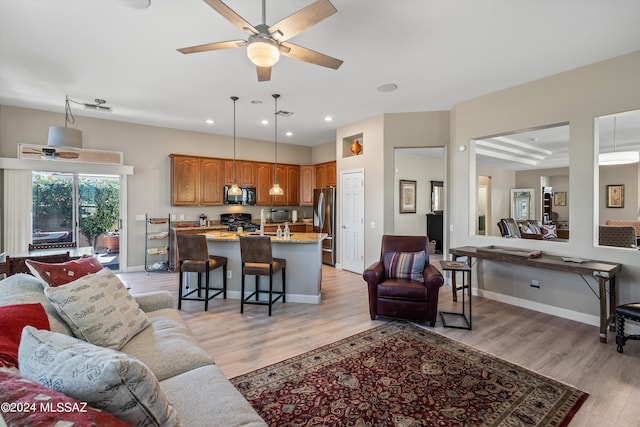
196 181
293 185
245 173
264 178
307 181
325 175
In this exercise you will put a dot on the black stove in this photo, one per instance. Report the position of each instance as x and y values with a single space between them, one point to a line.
235 220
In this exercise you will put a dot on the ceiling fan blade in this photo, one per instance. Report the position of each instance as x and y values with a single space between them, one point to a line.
231 16
230 44
264 74
307 55
302 19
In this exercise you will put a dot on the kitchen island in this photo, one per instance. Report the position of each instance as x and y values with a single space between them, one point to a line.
303 252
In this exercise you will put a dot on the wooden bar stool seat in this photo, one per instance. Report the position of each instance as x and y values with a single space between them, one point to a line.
630 312
193 257
257 260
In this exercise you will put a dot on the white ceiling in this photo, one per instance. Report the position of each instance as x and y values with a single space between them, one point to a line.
438 52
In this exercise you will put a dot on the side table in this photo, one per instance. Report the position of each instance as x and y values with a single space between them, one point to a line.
453 267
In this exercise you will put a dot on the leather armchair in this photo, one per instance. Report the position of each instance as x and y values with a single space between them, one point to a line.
403 298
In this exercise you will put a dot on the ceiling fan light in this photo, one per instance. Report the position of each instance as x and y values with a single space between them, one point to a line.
263 52
60 136
276 190
618 158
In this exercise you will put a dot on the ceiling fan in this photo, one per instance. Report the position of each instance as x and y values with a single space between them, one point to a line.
266 43
49 153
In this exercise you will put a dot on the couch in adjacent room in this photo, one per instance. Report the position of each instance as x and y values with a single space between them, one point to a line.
142 364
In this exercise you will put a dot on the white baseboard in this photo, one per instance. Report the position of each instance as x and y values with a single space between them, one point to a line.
543 308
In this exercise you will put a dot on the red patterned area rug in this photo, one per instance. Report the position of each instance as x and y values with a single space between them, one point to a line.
398 374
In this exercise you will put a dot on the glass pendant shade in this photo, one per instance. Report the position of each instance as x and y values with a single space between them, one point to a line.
263 53
234 190
276 190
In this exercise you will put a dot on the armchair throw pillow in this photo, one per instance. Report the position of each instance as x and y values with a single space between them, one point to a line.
57 274
404 265
99 309
104 378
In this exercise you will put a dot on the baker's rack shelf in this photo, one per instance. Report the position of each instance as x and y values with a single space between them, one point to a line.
157 250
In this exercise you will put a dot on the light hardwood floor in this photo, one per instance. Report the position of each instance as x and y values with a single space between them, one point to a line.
565 350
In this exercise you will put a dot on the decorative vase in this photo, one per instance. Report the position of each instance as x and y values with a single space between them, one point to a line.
356 148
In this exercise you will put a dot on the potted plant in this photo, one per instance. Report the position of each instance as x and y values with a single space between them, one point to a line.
112 240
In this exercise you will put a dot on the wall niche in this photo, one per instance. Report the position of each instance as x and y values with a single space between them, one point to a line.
353 145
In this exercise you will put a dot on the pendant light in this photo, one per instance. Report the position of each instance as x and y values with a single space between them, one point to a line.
618 157
234 190
276 190
65 136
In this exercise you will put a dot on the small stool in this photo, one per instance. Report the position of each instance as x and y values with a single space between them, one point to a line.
627 311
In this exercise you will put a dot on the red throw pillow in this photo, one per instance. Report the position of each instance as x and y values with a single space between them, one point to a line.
26 403
56 274
13 319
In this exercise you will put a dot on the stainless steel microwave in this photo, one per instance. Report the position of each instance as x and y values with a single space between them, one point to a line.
248 196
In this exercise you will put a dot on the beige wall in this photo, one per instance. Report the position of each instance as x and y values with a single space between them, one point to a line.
147 149
628 175
381 135
577 97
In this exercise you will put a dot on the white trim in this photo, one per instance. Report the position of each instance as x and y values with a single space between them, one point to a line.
89 168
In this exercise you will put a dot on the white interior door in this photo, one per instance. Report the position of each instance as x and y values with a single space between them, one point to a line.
352 220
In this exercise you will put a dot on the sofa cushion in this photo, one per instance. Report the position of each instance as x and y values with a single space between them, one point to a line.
167 346
215 399
549 232
26 289
99 309
405 265
57 274
104 378
13 319
50 408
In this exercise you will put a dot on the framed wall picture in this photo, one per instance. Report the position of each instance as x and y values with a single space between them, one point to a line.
560 198
407 196
615 196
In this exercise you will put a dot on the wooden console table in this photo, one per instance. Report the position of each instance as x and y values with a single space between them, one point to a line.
602 271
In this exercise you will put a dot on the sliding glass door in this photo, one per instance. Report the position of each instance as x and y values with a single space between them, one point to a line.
77 210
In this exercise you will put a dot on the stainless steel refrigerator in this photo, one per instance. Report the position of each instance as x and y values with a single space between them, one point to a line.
324 221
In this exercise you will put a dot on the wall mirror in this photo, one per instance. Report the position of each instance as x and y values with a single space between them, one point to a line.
511 171
619 133
437 196
523 204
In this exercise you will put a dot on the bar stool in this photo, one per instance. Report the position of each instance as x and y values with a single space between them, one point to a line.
627 311
257 260
193 257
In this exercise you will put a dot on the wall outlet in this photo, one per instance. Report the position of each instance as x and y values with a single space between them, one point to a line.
535 284
373 225
229 274
181 217
173 217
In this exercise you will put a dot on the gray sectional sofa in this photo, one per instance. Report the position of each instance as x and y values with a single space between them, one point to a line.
194 386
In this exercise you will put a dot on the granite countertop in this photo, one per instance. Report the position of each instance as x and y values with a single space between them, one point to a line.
229 236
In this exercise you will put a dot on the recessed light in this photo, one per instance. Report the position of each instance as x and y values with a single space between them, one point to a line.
256 101
289 133
387 87
328 119
210 121
265 122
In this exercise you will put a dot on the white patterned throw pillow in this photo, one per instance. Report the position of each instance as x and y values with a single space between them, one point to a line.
99 309
103 378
